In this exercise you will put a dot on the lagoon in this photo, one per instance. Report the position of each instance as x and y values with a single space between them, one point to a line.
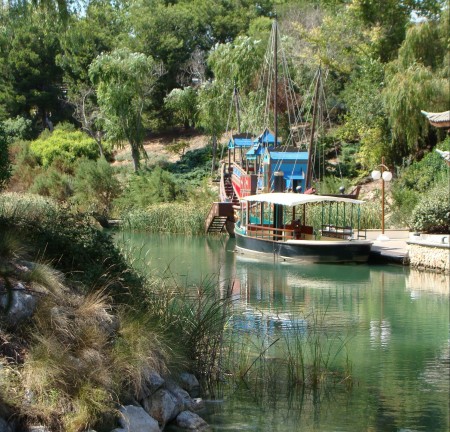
394 320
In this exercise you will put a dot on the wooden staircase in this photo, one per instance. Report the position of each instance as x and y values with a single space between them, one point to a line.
220 213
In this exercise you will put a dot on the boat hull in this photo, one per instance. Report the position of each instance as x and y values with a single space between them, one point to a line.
316 251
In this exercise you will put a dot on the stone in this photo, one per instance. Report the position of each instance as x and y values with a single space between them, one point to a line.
135 419
19 305
162 406
4 426
152 382
190 383
191 421
197 404
38 429
182 396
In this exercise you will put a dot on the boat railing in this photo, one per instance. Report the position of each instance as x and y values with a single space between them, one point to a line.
288 232
342 232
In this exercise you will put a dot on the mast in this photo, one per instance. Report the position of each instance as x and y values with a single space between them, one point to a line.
275 93
236 103
313 127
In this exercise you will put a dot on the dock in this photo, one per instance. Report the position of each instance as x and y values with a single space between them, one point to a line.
393 249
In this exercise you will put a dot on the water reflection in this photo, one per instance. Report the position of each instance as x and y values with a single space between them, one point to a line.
399 349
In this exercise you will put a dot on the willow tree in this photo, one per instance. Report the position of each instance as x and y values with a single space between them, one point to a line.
417 80
124 82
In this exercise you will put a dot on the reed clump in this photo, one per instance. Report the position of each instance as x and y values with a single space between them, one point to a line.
181 218
307 353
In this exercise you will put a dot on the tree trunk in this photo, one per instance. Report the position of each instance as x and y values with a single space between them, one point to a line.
214 149
135 155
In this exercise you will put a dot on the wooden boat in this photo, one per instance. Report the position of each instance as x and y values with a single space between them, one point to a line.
276 225
254 160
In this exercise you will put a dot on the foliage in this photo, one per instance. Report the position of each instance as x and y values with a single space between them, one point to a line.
5 166
124 82
432 213
183 104
65 143
95 186
18 128
183 218
52 183
146 189
407 92
76 246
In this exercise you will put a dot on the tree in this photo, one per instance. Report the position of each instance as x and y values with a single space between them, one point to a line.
124 82
87 112
183 104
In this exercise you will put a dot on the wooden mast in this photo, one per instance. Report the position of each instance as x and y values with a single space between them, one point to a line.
313 127
275 93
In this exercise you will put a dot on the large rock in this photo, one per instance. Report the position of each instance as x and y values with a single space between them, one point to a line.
38 429
190 383
17 304
4 426
191 421
162 406
152 382
135 419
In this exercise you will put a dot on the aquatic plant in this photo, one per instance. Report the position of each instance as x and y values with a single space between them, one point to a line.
183 218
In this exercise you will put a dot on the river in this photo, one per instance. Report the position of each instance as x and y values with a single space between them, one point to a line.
395 322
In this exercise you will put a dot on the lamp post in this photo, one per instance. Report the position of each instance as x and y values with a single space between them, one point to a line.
386 176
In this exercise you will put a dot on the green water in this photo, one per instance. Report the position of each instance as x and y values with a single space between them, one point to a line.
396 321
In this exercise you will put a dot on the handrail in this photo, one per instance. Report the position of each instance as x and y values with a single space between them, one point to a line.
280 234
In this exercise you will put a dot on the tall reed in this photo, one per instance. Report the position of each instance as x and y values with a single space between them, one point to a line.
182 218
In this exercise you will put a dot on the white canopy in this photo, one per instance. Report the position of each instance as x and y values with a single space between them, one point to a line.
292 199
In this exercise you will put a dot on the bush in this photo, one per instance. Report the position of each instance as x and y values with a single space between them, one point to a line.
52 183
432 213
145 189
65 143
19 128
95 186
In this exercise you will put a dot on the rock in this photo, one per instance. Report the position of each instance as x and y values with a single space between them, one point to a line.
190 383
18 304
182 396
162 406
38 429
191 421
4 426
151 383
135 419
197 404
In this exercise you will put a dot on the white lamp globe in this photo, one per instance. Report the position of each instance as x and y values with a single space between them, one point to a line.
376 175
387 176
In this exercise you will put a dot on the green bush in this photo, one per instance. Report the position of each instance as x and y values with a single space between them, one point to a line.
52 183
18 128
432 213
68 240
145 189
64 142
95 186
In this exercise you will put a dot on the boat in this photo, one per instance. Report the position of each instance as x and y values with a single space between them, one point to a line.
284 225
253 159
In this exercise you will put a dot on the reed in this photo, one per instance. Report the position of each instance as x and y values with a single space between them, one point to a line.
182 218
306 354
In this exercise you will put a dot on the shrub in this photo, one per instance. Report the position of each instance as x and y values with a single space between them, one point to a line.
95 186
52 183
18 128
432 213
146 189
63 142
